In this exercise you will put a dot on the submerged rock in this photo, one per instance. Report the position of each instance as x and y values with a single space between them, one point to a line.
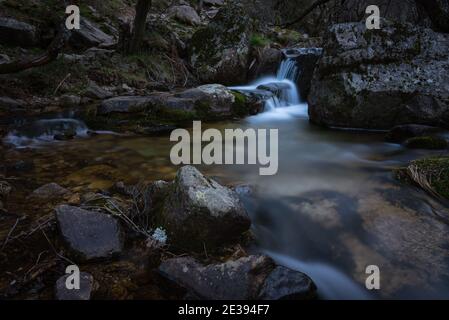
13 32
403 132
49 191
381 78
83 293
233 280
200 213
89 234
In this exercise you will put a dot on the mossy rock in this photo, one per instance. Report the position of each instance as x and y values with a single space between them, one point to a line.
426 142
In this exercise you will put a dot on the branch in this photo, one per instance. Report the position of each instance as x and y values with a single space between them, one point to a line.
51 54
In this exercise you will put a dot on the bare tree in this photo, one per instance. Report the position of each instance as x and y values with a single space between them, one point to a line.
142 9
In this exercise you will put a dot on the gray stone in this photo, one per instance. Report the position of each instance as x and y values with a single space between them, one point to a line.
83 293
125 104
198 212
94 91
214 2
284 283
69 100
50 191
186 14
378 79
233 280
4 58
9 104
13 32
90 35
88 234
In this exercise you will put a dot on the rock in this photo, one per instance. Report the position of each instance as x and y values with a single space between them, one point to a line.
88 234
426 142
403 132
217 3
186 14
125 104
50 191
306 59
284 283
4 58
266 63
5 189
216 98
69 101
220 51
198 212
94 91
83 293
156 130
90 35
233 280
16 33
383 78
8 104
276 88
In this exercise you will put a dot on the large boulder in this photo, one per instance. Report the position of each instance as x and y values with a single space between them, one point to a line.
377 79
89 235
220 51
247 278
233 280
200 213
17 33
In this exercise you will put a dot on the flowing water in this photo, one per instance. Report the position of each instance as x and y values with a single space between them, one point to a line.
332 209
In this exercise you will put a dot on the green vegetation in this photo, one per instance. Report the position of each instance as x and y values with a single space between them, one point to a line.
258 40
426 142
431 174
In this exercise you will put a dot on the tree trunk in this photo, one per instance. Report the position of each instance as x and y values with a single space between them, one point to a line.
142 9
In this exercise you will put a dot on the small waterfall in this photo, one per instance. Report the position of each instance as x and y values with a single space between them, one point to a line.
46 130
280 90
288 70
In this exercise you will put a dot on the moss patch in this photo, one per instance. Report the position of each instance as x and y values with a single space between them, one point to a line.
426 142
